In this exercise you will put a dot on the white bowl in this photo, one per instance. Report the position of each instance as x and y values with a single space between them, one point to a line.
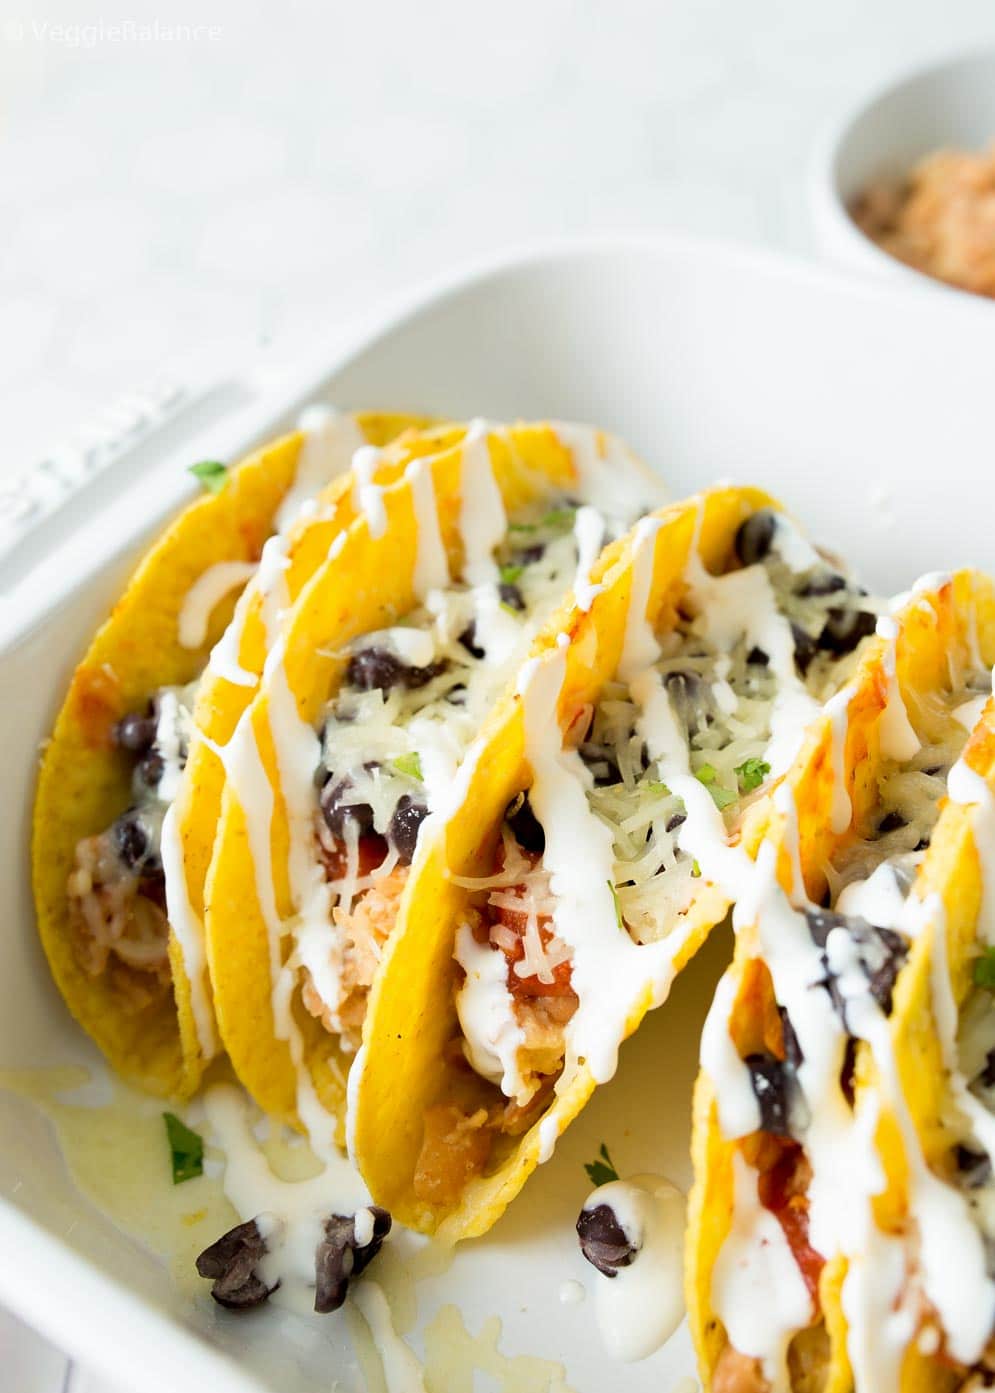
948 104
844 397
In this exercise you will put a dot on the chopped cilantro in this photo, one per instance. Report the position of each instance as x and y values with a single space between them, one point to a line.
408 764
509 574
523 527
618 910
721 796
695 870
983 972
211 474
560 517
602 1170
657 789
186 1149
751 773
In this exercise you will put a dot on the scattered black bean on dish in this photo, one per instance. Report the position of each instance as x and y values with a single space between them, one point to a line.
603 1240
338 1257
230 1263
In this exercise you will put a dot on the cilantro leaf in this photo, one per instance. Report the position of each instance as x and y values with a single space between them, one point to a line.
618 909
559 517
602 1170
409 765
695 870
722 797
509 574
983 971
211 474
186 1149
523 527
657 789
751 773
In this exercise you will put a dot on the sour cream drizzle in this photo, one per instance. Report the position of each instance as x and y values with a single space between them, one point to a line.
483 520
208 590
642 1305
589 529
369 496
186 924
431 563
330 440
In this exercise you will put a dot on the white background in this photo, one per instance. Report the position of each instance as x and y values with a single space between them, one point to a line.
167 207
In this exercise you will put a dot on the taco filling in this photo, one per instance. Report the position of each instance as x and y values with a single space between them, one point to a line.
822 991
719 698
116 890
394 735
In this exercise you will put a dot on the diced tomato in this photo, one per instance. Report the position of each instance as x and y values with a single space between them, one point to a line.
371 850
782 1190
517 920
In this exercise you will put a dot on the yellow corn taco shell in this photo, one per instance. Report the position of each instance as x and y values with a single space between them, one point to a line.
407 1067
945 627
368 585
84 781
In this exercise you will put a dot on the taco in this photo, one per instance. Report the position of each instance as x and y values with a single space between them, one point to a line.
559 901
117 897
394 655
821 1229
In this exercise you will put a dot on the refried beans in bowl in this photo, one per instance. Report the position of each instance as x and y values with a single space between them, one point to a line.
940 219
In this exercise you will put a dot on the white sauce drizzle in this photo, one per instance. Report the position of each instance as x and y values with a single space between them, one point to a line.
185 923
330 440
210 587
368 495
967 787
401 1370
643 1304
897 737
485 1007
757 1291
605 472
431 564
589 529
483 520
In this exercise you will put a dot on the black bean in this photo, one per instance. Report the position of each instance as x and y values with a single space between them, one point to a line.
844 628
755 536
793 1056
891 822
935 769
135 733
974 1166
848 1071
337 809
456 696
881 951
805 648
770 1079
511 595
148 773
338 1257
378 667
921 844
528 556
404 825
231 1262
135 843
468 638
822 583
603 1240
757 657
675 820
525 825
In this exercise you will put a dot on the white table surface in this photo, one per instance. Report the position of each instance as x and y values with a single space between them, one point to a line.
167 204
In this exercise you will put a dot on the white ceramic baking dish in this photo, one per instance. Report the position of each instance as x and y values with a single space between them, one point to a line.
865 407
